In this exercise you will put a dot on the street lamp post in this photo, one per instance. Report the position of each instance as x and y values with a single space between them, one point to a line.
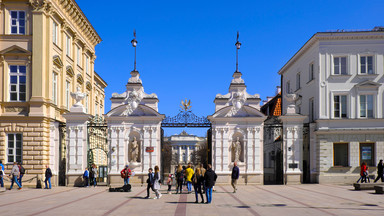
134 44
238 44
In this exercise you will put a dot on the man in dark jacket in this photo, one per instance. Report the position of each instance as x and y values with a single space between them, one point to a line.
48 175
150 182
210 178
235 176
380 171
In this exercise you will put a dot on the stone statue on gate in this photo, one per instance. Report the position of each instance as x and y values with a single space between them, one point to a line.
134 150
236 149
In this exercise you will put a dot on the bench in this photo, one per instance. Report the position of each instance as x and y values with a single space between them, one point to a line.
366 186
379 189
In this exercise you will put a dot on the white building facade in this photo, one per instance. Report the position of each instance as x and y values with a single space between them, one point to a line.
338 78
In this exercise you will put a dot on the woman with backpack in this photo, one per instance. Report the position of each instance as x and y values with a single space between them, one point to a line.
157 181
198 181
179 179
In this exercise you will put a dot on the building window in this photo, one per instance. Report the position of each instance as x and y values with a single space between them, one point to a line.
311 110
367 154
67 93
86 64
288 88
340 65
14 151
18 22
54 88
340 154
68 45
78 54
340 106
96 109
311 71
54 33
298 81
18 78
366 64
366 106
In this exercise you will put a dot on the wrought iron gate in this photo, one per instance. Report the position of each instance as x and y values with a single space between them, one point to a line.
98 146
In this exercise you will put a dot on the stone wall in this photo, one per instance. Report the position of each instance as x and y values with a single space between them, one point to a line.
35 147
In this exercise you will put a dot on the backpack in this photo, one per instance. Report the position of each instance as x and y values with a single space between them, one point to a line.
22 170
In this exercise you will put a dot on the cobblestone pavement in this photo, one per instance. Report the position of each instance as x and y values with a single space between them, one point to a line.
295 200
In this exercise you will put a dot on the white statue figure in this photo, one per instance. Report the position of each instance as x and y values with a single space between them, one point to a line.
237 101
78 96
133 100
236 149
134 150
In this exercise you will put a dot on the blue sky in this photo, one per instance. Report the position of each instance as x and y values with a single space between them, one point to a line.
186 48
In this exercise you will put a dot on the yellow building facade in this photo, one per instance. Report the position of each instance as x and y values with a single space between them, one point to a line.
47 50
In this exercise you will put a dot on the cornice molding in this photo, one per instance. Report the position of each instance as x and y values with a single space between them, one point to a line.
329 36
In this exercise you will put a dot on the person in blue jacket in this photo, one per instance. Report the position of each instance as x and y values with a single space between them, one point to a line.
86 177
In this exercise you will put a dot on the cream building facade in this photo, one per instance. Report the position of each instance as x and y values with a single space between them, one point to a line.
47 51
335 82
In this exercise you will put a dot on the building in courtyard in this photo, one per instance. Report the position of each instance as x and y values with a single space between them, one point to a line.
47 51
273 145
335 81
184 148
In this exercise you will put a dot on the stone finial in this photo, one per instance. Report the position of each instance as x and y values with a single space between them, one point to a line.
291 100
78 96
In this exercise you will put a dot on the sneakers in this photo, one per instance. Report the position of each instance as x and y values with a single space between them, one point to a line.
160 196
19 188
155 198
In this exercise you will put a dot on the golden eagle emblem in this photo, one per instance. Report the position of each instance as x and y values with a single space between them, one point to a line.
186 105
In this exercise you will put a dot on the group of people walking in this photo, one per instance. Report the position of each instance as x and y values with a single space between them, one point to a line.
364 173
17 173
202 180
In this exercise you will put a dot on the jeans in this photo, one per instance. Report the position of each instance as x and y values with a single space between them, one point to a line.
20 178
208 192
86 181
189 186
14 179
197 192
126 181
1 181
48 179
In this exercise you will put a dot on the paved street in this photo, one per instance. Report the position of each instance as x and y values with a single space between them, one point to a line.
249 200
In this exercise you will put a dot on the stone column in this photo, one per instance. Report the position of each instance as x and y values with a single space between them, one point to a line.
147 156
187 153
155 155
77 146
225 153
218 153
293 148
179 158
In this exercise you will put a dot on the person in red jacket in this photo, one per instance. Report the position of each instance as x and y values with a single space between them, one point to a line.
126 174
363 173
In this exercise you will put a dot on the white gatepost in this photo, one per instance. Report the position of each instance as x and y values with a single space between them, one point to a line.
292 142
77 140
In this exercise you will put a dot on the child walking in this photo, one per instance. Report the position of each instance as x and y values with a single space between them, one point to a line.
169 183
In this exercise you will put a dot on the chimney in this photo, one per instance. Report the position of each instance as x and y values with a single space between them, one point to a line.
278 89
